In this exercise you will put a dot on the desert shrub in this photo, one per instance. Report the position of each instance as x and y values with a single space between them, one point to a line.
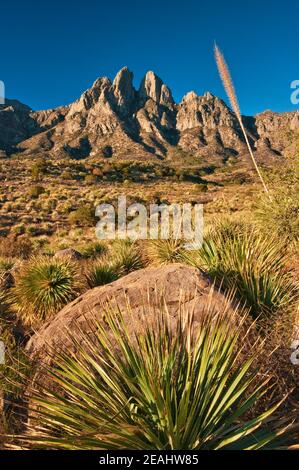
36 191
280 214
33 230
94 249
255 266
202 188
165 251
66 175
42 287
102 272
20 247
18 229
84 216
38 169
156 390
90 179
7 263
8 331
126 255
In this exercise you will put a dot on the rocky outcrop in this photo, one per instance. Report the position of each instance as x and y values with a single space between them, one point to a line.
16 124
217 127
275 130
177 286
143 123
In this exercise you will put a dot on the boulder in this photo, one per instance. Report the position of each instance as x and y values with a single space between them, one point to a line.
176 285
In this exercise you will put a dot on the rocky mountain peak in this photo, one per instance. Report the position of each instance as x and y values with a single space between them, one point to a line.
124 91
14 105
208 96
166 98
99 85
190 96
142 124
153 87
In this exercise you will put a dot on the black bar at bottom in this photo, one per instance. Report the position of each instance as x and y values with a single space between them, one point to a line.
135 459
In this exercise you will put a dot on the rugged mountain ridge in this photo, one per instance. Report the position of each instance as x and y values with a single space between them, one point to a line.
143 123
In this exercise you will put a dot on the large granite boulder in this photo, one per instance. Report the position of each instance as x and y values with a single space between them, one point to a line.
177 286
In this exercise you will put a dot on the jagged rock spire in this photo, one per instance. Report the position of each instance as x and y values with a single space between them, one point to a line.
124 91
153 87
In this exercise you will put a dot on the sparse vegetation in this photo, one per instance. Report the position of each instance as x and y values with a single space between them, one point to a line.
38 169
94 249
280 215
114 333
20 247
36 191
240 258
83 216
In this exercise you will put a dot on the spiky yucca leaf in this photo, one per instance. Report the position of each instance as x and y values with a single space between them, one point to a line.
243 259
126 256
165 251
7 263
94 249
102 272
44 286
168 388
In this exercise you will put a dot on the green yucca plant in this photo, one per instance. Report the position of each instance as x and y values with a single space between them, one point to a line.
43 287
254 265
167 388
165 251
7 263
126 256
102 272
281 214
94 250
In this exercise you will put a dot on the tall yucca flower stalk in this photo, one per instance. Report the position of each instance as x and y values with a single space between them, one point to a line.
230 91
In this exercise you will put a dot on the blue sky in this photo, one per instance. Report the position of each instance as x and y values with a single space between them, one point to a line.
52 51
